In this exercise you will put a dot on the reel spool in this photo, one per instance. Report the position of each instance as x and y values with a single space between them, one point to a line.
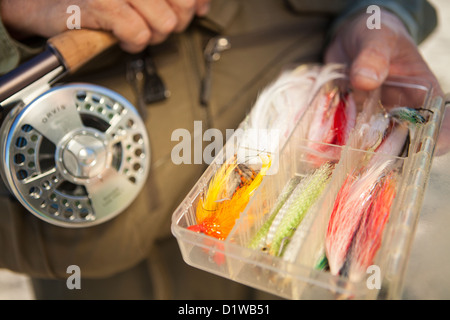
76 156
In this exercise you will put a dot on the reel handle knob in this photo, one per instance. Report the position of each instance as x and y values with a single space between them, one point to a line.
77 47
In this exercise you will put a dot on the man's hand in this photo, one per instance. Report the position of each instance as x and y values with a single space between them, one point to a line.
136 23
375 54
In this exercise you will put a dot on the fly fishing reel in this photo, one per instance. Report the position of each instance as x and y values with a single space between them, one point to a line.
76 155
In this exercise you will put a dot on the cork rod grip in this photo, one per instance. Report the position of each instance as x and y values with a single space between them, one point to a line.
77 47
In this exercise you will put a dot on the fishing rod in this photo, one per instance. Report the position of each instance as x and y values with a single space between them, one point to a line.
76 154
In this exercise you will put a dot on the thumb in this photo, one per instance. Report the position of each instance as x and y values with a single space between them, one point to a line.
371 64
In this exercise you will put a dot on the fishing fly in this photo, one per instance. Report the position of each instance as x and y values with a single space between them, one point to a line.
227 195
282 104
296 200
362 205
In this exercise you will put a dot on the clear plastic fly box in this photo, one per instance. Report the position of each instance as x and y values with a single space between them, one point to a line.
317 194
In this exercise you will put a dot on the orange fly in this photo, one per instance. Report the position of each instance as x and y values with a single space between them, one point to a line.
227 195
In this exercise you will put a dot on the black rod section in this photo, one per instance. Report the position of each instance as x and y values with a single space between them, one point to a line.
27 73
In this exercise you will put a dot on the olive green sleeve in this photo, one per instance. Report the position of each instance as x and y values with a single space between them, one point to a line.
419 16
12 52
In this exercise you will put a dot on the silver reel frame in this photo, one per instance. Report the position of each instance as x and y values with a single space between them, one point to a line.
75 156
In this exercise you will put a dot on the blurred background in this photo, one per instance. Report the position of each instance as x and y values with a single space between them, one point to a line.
428 273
